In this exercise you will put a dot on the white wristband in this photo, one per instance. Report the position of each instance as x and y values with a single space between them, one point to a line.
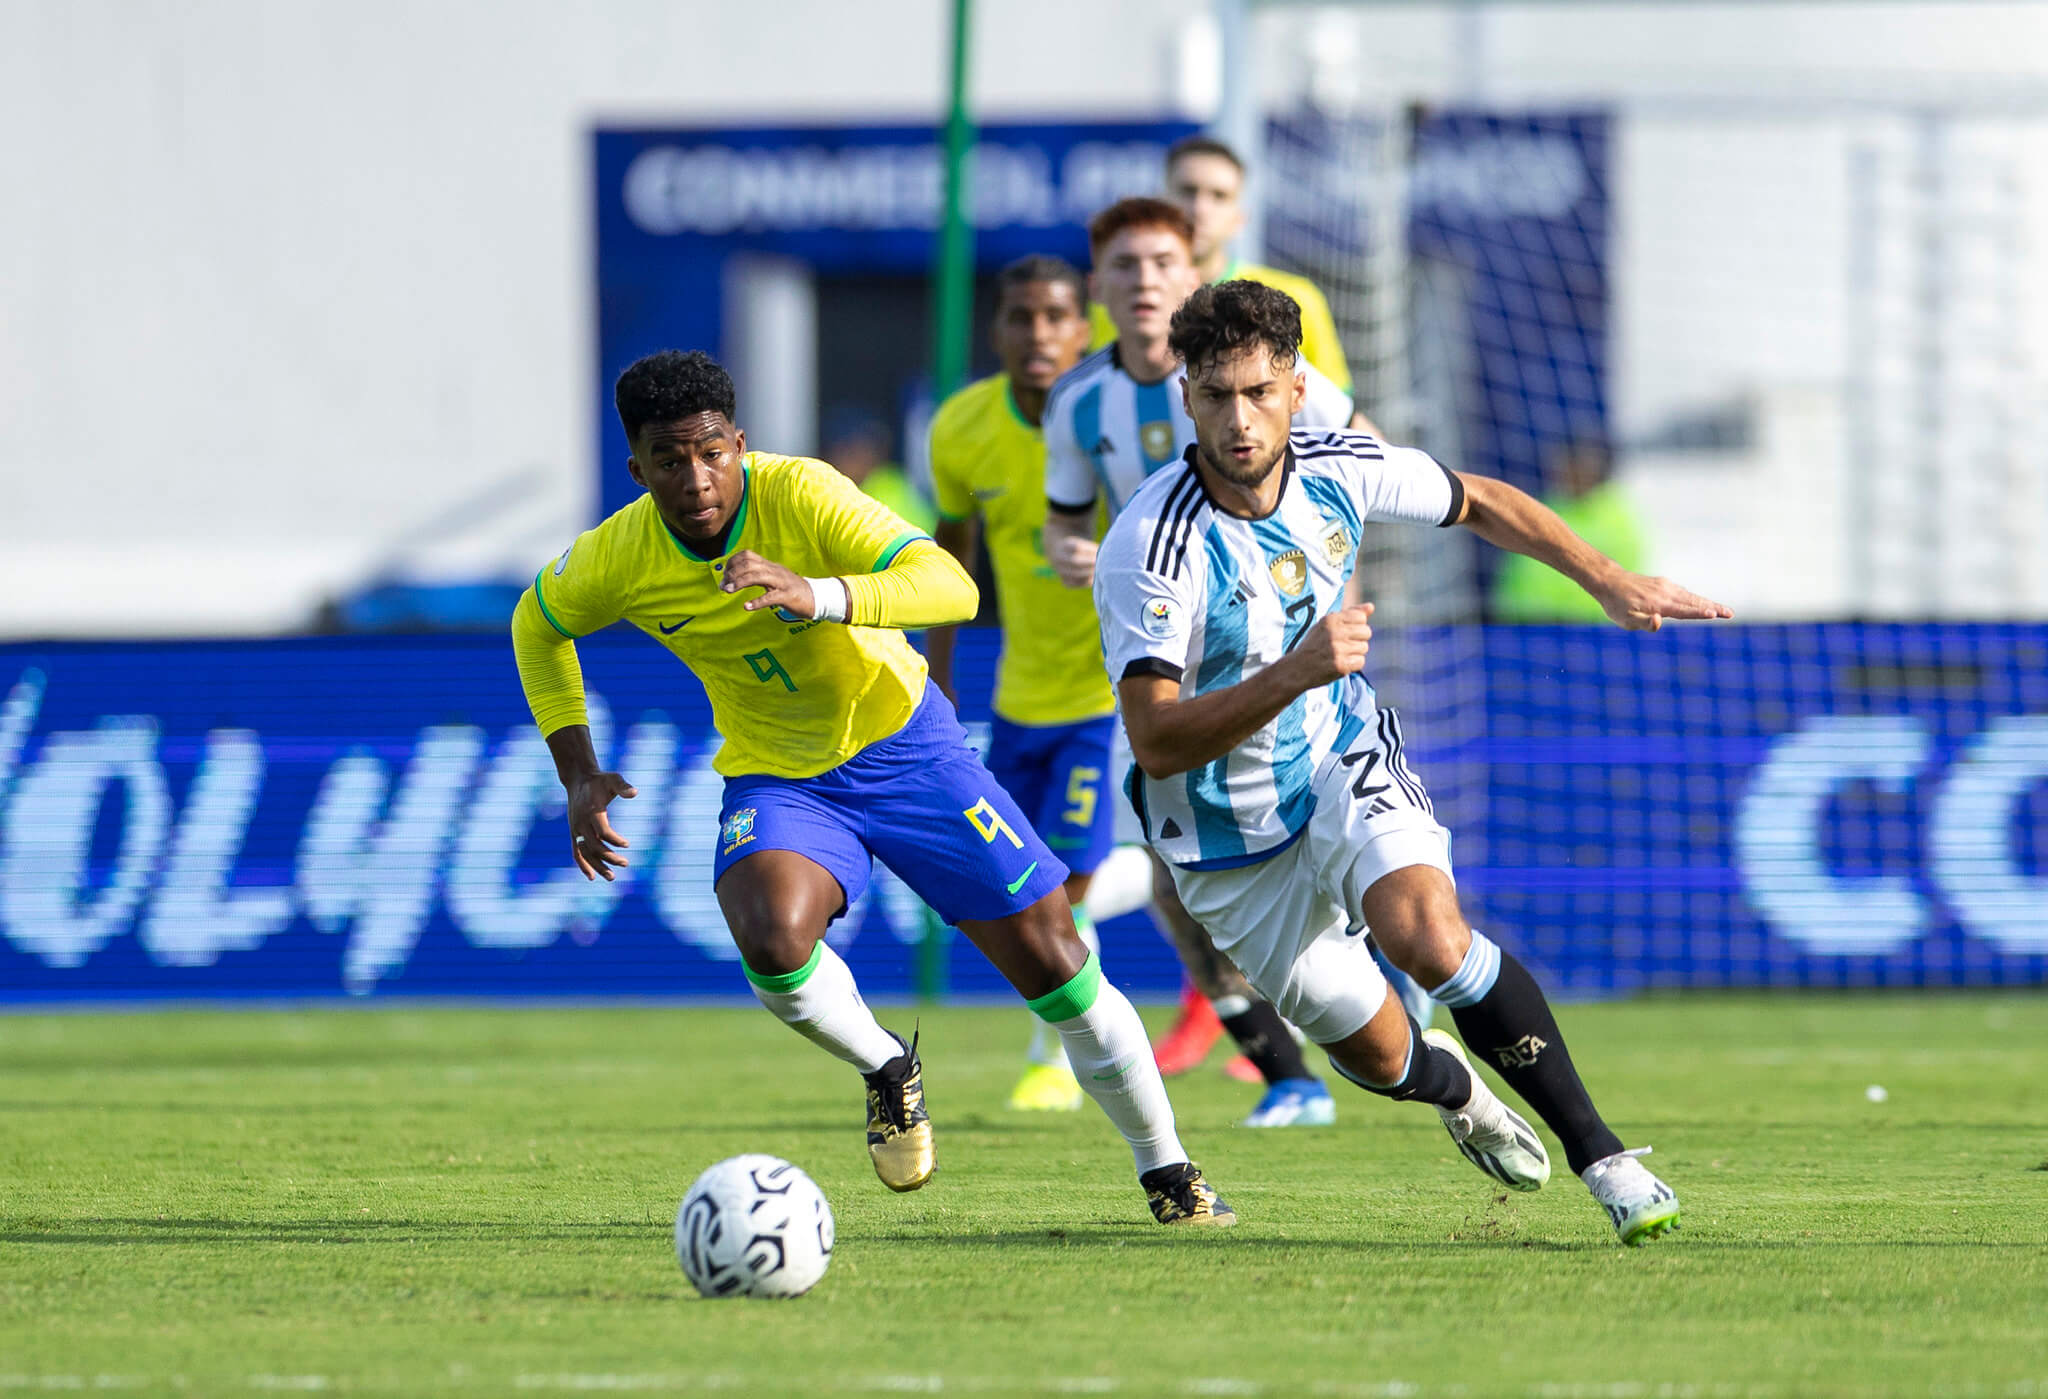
828 595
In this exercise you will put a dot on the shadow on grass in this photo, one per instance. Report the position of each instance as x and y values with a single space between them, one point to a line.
848 1123
1119 1234
287 1057
1102 1235
323 1231
241 1107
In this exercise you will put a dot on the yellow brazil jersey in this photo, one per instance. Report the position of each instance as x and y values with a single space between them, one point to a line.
1320 345
791 698
987 460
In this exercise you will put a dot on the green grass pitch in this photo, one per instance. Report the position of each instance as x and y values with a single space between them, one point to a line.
479 1201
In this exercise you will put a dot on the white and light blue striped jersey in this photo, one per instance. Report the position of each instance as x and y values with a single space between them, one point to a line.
1206 598
1105 432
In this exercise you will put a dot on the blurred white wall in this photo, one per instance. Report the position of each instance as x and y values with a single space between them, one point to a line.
282 282
279 281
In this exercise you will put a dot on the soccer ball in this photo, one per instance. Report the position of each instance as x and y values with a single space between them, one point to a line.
754 1226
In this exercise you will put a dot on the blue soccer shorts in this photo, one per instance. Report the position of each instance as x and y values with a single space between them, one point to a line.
1059 774
919 801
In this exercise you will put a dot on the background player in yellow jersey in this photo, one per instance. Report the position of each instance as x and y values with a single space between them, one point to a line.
1205 178
1055 715
783 588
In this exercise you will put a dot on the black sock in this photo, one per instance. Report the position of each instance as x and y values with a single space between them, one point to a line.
1512 1029
1267 1042
1434 1075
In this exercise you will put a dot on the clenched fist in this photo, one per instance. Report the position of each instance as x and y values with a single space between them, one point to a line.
1334 647
1073 559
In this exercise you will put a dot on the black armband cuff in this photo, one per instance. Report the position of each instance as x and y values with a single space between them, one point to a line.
1457 511
1060 507
1152 665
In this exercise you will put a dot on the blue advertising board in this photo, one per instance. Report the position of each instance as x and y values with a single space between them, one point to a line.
1820 805
1514 204
673 204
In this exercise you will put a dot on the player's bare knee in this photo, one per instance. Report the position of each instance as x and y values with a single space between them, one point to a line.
774 941
1376 1062
1037 950
1047 933
774 935
1377 1053
1418 924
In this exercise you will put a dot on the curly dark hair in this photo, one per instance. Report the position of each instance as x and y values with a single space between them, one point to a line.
1224 319
669 386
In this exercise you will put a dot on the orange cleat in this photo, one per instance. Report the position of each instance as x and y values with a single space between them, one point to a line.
1193 1035
1244 1070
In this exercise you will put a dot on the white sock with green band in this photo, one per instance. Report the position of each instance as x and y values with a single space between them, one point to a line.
820 1002
1045 1044
1107 1045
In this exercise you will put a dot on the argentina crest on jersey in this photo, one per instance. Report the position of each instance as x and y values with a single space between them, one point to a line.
1157 440
1338 545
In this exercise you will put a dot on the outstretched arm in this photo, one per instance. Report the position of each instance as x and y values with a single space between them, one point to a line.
1513 520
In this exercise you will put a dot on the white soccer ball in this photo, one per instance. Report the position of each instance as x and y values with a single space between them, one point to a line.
754 1226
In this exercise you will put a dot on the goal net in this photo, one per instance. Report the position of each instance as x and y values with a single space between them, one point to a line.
1807 329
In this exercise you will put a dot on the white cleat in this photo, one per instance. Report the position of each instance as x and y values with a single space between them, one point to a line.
1642 1207
1492 1135
1295 1102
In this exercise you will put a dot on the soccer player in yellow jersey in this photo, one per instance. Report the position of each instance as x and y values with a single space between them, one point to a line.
1205 178
784 589
1055 716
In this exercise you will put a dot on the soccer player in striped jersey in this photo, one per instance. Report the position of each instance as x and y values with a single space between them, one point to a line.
1111 422
1116 417
1055 715
1274 785
784 589
1205 178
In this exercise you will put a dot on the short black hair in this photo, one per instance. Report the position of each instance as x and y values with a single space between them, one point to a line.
669 386
1043 267
1202 145
1225 319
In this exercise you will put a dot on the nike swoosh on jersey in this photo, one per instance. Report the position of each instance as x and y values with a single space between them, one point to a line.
1018 882
671 631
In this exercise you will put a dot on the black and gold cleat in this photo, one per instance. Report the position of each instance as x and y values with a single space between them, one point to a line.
899 1131
1179 1195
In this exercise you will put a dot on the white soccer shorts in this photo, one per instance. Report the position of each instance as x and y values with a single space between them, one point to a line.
1294 924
